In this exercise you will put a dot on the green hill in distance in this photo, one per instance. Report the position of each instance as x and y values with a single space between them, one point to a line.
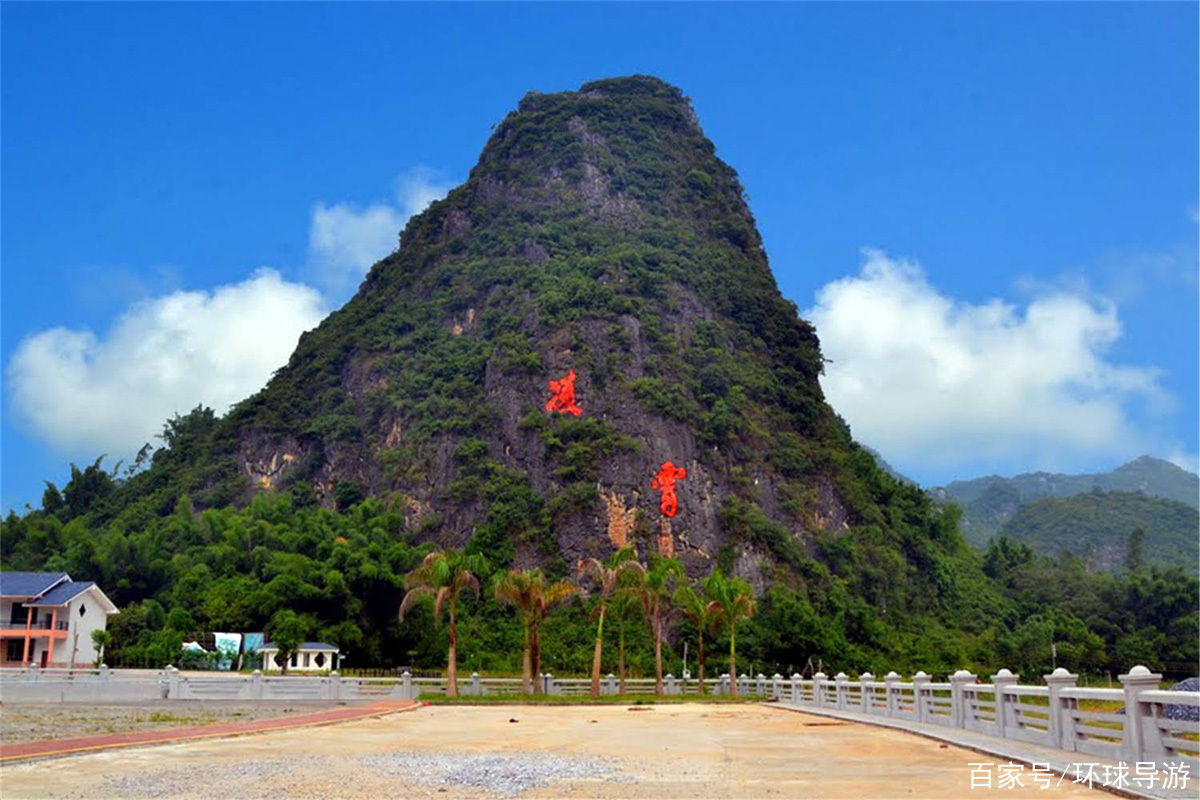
989 502
1097 525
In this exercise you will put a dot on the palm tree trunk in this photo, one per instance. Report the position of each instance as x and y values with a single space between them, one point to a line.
621 654
596 655
658 678
536 659
526 665
452 665
701 657
733 687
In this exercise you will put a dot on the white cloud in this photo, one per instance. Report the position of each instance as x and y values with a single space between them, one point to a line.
345 240
933 381
86 394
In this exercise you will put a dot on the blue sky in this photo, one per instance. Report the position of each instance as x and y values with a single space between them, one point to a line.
989 210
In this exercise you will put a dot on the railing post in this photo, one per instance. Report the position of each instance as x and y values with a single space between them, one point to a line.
958 698
1002 680
105 672
33 672
406 687
475 689
547 684
777 686
743 684
795 687
840 686
819 688
1061 725
256 684
670 687
610 684
1135 746
891 692
919 682
335 685
864 693
723 685
760 684
172 682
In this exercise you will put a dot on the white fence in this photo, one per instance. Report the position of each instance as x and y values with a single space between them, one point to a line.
1144 728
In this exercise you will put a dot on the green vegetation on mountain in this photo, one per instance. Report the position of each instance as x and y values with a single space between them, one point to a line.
1089 515
988 502
1097 526
598 233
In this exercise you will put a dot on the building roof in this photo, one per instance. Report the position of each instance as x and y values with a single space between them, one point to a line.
63 593
29 584
303 646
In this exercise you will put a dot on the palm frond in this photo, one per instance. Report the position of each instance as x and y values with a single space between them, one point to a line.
411 597
443 594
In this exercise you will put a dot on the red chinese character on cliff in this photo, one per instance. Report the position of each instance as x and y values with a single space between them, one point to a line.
664 482
563 400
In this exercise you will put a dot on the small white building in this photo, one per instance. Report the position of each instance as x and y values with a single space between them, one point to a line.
47 619
309 657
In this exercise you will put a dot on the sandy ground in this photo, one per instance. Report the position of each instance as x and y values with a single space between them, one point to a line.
692 751
28 722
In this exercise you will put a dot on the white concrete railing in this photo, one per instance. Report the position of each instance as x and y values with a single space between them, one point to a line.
1049 715
98 685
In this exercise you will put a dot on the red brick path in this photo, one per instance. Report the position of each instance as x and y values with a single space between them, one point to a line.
55 747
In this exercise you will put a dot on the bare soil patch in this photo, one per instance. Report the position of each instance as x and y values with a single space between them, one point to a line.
21 722
686 751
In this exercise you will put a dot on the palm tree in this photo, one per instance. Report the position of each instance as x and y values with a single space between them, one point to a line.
442 575
731 599
695 606
654 590
528 591
606 577
623 605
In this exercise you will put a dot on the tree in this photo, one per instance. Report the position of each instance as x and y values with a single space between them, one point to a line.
100 640
730 599
695 607
622 605
1135 549
528 592
606 576
654 589
286 631
442 575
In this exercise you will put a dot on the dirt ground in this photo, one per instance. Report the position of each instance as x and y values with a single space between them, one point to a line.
36 721
692 751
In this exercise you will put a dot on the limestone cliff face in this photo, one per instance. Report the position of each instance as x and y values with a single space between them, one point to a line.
598 233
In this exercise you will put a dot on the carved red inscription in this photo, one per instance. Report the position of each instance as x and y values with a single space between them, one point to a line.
664 482
563 399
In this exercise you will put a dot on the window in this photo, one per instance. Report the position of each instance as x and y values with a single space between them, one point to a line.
279 659
18 614
82 609
14 649
307 656
320 659
295 659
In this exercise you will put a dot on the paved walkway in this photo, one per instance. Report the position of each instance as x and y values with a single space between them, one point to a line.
58 747
1009 750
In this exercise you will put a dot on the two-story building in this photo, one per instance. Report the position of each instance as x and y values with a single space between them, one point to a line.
47 619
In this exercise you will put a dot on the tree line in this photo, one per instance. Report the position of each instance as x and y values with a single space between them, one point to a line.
659 590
